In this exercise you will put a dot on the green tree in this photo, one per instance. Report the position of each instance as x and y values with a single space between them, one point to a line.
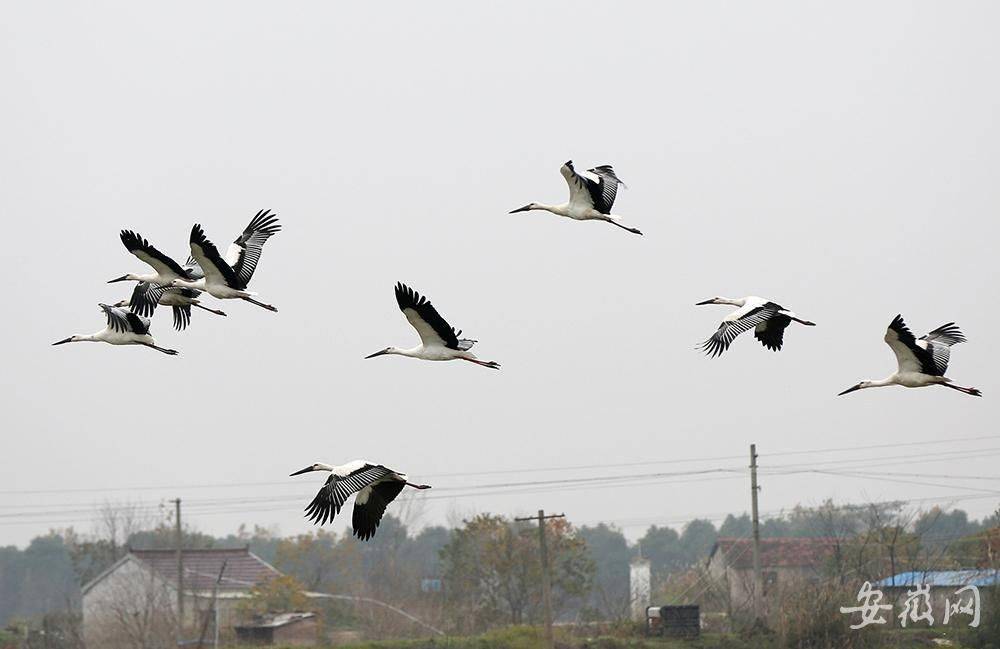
610 554
661 545
697 540
738 526
492 571
282 594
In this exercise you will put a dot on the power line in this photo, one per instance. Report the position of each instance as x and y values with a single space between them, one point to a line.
549 469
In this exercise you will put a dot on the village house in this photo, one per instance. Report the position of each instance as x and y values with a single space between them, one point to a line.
784 562
135 600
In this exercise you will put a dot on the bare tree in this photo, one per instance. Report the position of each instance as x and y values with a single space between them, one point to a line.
131 609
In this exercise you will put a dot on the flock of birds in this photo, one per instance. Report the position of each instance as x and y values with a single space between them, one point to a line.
921 362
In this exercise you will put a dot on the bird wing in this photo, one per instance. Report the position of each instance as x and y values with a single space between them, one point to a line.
422 316
160 262
910 356
182 317
938 344
207 256
607 188
331 498
145 297
117 319
370 505
579 186
124 321
729 329
771 332
244 253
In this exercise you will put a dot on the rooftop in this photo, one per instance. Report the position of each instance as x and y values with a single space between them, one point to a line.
243 569
957 578
783 552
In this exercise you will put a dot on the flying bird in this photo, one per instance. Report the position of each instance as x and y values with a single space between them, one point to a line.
767 319
124 328
921 362
590 197
438 340
227 278
145 297
167 270
376 486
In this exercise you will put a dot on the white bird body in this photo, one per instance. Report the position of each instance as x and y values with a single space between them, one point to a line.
767 319
375 485
123 328
922 362
591 197
167 270
225 279
146 297
438 340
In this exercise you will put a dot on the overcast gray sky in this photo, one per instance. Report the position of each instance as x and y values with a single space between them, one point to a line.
841 160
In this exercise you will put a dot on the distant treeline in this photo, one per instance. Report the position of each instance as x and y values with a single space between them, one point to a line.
46 576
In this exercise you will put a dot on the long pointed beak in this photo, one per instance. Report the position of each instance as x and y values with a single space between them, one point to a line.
705 302
123 278
305 470
375 354
68 340
520 209
850 389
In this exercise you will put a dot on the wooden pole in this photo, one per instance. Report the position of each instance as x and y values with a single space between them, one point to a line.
546 575
758 582
178 542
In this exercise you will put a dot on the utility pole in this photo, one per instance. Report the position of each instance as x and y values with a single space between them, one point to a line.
758 583
546 577
178 540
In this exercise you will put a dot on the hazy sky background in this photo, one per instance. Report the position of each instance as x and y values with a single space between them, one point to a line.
839 159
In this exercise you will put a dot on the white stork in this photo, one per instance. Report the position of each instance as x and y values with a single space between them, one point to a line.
167 270
146 296
376 486
227 278
767 319
124 328
589 198
921 362
438 340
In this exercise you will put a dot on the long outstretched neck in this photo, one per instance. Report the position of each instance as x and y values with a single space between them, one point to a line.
183 283
561 209
738 301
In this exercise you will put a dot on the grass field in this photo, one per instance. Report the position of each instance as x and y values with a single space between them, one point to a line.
530 638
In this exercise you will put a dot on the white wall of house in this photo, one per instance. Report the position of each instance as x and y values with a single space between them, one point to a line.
129 607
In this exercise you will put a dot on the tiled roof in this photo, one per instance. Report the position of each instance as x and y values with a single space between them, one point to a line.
201 568
956 578
784 552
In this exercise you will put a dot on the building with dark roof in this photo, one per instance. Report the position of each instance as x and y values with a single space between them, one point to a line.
137 596
784 561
